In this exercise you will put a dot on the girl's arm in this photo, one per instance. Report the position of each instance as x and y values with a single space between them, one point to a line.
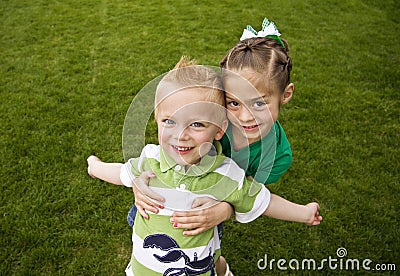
144 196
279 208
283 209
203 219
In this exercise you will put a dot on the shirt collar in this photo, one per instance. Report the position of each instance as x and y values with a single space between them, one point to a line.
207 163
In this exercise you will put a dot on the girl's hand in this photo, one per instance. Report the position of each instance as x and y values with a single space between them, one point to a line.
145 198
315 218
208 214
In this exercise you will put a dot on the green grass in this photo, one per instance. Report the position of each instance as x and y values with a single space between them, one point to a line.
70 69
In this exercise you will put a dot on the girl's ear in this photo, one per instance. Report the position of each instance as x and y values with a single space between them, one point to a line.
287 94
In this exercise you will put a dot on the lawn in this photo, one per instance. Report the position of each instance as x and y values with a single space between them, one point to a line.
69 71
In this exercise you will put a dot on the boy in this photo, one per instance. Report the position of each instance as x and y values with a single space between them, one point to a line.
191 116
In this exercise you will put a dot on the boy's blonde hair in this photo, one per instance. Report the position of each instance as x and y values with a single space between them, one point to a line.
187 74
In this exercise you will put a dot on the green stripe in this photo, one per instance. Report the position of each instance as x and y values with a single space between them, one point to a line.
141 270
160 224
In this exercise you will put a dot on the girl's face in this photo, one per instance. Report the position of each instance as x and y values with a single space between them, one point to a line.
251 108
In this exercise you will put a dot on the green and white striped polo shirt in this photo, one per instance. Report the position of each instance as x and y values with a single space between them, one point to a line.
161 249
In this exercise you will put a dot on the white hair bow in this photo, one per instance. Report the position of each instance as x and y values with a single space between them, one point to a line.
268 29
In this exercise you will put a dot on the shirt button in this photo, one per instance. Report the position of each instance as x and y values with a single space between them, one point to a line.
177 168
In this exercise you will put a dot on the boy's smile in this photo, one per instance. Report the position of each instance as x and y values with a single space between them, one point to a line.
182 150
188 124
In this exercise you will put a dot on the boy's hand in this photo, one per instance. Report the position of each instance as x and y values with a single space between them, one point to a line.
315 218
91 160
144 197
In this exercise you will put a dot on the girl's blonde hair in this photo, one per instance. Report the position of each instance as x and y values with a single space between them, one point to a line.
265 56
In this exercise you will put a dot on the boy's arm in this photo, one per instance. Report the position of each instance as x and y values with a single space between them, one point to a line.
283 209
109 172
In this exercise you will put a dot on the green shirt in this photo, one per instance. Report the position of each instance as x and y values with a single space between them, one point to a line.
265 160
159 248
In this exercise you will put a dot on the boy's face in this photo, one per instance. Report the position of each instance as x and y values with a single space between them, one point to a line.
251 109
188 125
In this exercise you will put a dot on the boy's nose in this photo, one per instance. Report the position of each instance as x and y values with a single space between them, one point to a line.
182 134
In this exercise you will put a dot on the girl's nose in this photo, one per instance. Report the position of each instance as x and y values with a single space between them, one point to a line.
245 115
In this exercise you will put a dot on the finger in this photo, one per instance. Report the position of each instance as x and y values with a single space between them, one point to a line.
153 195
147 203
316 222
142 187
148 195
144 178
200 201
190 222
148 174
188 225
185 225
204 202
193 232
198 220
150 208
186 214
142 212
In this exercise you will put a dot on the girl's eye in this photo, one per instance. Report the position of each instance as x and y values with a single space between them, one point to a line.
196 124
168 122
233 104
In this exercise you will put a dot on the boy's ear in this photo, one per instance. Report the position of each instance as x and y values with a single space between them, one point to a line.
287 94
221 130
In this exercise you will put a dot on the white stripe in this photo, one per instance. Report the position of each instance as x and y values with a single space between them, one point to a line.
150 151
231 170
126 175
128 270
177 200
260 205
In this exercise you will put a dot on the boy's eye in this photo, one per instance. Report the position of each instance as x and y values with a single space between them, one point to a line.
168 122
196 124
258 104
